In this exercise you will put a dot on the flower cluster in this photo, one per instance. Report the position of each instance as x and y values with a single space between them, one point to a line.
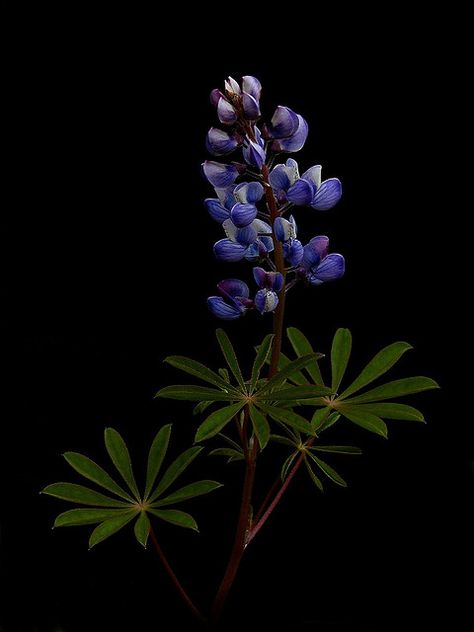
251 212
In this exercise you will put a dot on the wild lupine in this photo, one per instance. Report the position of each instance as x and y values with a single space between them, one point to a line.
250 229
317 266
233 300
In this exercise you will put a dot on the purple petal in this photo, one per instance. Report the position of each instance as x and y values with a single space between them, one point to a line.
301 193
313 175
266 301
223 310
243 214
251 107
246 236
284 123
276 281
219 142
296 141
215 95
279 179
228 250
328 194
232 86
315 250
248 192
219 175
233 288
251 85
259 274
216 210
294 252
254 155
284 229
226 112
331 268
266 245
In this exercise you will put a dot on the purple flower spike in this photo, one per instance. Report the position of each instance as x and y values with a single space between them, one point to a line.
268 280
233 302
219 142
243 214
218 174
226 112
266 301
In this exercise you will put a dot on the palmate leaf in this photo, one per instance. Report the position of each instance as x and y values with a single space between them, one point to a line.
120 457
302 347
230 357
111 514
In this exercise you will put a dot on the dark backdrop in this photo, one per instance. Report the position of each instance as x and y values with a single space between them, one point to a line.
110 267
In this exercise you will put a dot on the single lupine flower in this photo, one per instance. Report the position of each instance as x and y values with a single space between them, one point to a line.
317 266
307 190
285 231
245 193
221 175
238 102
270 283
250 242
254 151
233 301
220 143
287 129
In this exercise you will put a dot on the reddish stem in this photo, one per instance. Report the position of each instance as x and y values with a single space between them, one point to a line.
177 584
267 499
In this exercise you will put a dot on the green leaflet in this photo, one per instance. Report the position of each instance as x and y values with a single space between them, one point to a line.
337 449
79 517
82 495
340 354
174 470
288 417
95 473
176 517
397 388
120 457
260 359
198 370
313 476
282 440
109 527
295 393
142 528
391 411
302 347
260 426
328 470
366 420
196 393
199 488
156 456
234 455
216 421
319 417
288 371
230 357
286 466
379 365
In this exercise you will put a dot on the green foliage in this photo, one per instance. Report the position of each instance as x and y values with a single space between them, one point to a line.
112 513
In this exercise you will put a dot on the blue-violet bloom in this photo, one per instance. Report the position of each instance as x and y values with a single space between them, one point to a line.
288 130
285 231
250 242
307 189
317 265
235 202
270 283
233 300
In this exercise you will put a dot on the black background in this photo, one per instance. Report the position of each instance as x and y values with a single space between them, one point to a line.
110 267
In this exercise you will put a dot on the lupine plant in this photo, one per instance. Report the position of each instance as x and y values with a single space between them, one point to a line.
283 398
